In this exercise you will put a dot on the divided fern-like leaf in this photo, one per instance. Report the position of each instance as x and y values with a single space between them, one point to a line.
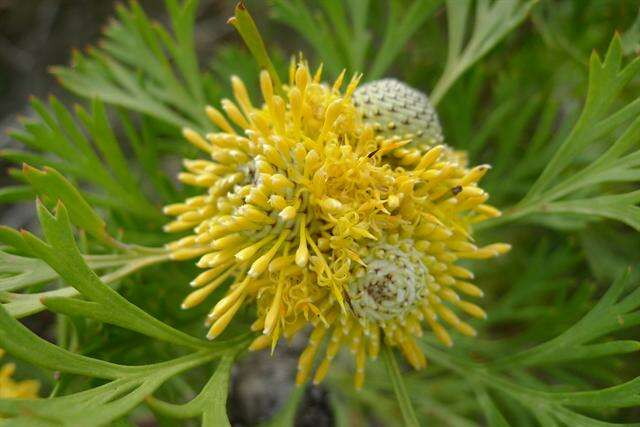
568 187
142 67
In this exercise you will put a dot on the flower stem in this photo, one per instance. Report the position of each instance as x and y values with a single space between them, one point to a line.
408 414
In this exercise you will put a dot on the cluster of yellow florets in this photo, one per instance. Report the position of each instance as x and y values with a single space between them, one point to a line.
318 218
10 388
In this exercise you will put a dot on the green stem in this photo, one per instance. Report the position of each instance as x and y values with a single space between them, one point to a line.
507 217
287 414
513 214
207 395
408 414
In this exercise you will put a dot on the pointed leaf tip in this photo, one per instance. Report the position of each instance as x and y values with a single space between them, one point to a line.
27 168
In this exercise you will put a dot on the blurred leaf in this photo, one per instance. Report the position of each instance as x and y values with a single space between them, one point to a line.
16 193
606 79
609 250
620 207
315 29
18 272
491 412
337 31
493 21
398 31
286 416
545 404
631 37
613 312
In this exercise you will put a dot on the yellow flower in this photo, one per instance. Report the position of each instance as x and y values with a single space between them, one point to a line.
9 388
310 213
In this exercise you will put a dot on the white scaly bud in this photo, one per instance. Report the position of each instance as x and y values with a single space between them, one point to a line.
395 108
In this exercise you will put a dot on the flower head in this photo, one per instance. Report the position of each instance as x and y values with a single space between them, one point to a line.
10 388
310 213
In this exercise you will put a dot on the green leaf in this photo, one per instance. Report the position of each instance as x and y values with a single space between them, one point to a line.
340 411
184 49
84 148
51 184
609 250
568 186
210 403
215 413
493 21
61 253
360 38
144 67
107 402
15 193
98 126
338 33
297 15
609 315
26 304
13 239
544 403
23 344
606 79
631 37
620 207
399 30
336 13
491 412
18 272
246 27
